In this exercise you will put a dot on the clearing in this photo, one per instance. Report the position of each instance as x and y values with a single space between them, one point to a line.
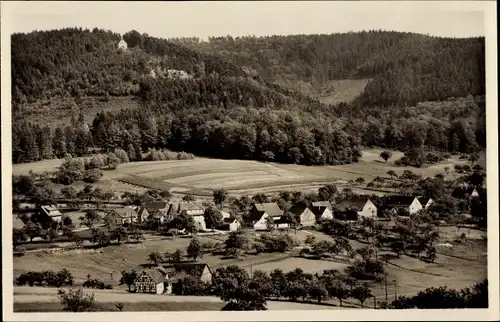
200 176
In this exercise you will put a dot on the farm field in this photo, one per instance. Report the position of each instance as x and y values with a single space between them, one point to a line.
38 299
458 267
200 176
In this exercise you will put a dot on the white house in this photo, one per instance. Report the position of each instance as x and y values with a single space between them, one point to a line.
408 204
356 208
190 209
257 217
322 210
304 214
122 44
151 281
230 224
52 212
426 202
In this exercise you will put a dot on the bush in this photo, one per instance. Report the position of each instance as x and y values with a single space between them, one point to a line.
74 300
121 155
97 284
92 175
46 278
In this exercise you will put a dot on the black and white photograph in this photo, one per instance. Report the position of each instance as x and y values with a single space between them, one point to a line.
301 160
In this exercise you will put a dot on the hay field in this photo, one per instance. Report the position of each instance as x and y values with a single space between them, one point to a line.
200 176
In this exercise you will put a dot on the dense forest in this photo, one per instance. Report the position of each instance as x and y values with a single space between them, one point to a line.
230 103
404 68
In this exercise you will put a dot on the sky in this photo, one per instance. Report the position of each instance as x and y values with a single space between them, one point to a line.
203 19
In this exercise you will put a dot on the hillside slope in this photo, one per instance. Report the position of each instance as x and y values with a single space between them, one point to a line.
404 68
158 94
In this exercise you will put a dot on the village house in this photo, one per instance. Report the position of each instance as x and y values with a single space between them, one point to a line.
356 208
155 211
403 204
230 224
152 280
322 210
190 209
200 271
226 212
122 44
304 215
425 202
257 217
465 193
51 212
120 216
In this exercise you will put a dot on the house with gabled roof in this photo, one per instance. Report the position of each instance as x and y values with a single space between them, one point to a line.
51 211
426 202
190 209
152 280
120 216
257 217
465 193
403 204
356 207
229 224
200 271
304 215
322 210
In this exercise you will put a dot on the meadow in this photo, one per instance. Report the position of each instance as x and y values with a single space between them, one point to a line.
200 176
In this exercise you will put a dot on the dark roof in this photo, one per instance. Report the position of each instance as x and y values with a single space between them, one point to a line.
352 204
298 209
124 212
322 204
182 269
399 201
318 211
271 208
162 205
229 220
155 275
424 200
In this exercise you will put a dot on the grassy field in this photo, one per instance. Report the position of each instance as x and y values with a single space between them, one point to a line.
200 176
463 265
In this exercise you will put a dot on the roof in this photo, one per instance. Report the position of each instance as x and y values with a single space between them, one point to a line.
17 223
271 208
182 269
352 204
399 201
162 205
189 206
155 275
322 204
229 220
298 209
123 212
424 200
142 211
51 211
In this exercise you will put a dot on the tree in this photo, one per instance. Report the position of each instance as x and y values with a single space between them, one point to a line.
362 293
317 290
194 249
135 232
74 300
212 217
176 256
219 195
360 180
183 222
118 234
392 174
327 192
100 238
236 240
270 223
386 155
68 192
310 239
128 278
92 175
155 258
188 198
91 217
32 230
339 290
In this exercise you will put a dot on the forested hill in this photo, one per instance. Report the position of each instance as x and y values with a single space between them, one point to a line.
229 103
404 68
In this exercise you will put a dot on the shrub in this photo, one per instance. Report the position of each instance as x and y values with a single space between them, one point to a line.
46 278
97 284
92 175
74 300
121 155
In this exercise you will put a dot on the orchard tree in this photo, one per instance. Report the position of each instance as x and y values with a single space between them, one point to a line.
188 198
219 196
212 217
386 155
194 249
154 258
362 293
128 278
